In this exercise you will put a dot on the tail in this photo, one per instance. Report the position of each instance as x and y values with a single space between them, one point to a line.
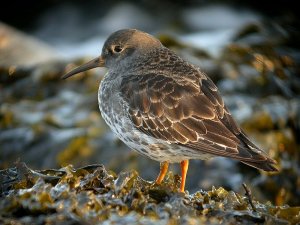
267 165
248 152
260 160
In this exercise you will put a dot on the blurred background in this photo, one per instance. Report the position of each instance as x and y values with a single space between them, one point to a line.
249 49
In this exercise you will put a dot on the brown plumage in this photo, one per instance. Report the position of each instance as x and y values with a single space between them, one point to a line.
168 104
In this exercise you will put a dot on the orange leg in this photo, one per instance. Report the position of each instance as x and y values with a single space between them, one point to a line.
163 171
184 168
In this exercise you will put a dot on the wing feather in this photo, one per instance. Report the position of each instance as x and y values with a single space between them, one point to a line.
187 111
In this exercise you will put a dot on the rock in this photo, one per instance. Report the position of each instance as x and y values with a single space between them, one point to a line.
217 17
125 15
18 49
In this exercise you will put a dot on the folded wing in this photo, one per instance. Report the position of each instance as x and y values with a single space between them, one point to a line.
189 111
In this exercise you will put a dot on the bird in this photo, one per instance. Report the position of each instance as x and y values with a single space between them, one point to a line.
166 108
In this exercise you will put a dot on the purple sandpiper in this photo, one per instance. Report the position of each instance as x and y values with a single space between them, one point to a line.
166 108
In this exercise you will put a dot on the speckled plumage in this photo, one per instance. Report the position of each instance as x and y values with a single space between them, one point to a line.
164 107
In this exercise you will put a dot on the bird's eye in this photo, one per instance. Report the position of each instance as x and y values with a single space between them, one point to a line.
117 49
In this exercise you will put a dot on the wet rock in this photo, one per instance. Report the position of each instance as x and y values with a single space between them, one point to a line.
18 49
124 15
212 41
218 17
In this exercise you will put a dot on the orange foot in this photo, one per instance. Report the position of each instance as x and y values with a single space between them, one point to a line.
163 171
184 168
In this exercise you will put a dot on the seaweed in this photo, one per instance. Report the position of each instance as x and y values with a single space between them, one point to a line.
93 195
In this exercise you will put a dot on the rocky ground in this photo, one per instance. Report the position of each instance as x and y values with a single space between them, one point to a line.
92 195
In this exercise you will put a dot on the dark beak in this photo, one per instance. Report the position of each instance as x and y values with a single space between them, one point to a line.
97 62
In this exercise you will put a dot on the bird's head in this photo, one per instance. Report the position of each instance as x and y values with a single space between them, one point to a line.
120 47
